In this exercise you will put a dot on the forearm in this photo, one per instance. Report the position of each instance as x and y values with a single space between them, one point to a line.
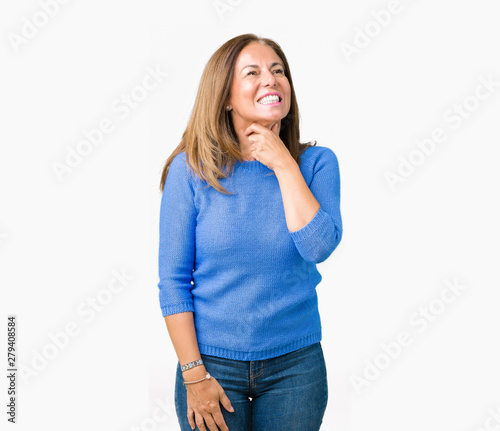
183 335
299 203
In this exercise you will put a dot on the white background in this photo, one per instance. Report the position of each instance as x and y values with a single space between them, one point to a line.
62 237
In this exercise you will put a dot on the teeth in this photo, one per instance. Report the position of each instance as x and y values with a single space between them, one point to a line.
269 99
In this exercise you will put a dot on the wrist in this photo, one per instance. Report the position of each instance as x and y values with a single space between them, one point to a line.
194 373
286 165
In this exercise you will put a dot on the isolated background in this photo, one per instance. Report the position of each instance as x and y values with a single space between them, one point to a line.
60 241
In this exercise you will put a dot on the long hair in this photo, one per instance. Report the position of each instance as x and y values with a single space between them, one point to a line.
210 142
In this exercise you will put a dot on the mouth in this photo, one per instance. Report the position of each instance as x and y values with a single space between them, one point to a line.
270 99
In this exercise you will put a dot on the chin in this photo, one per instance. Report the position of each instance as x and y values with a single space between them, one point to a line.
270 119
265 122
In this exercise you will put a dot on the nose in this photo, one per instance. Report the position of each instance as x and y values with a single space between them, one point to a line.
268 78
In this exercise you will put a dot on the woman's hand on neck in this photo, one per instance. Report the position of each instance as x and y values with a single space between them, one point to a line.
245 144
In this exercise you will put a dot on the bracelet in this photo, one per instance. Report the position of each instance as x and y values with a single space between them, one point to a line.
207 377
192 364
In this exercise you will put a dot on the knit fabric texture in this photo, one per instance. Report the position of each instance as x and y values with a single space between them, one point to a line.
231 260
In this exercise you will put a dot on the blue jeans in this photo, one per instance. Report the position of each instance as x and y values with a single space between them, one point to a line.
285 393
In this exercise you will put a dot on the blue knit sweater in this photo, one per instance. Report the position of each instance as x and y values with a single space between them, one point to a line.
231 259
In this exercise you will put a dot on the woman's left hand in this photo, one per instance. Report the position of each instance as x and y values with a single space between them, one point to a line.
267 147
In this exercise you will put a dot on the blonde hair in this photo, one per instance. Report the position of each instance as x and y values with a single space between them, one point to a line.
210 142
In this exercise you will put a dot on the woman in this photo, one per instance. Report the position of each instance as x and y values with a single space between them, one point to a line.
246 214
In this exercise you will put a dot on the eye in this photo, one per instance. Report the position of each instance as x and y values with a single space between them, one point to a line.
251 72
279 71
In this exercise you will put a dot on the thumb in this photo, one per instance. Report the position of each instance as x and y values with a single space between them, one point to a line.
224 400
276 128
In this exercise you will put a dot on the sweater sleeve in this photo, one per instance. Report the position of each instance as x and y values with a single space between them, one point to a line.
317 240
177 240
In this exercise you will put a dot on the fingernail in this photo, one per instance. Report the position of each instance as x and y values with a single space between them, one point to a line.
231 409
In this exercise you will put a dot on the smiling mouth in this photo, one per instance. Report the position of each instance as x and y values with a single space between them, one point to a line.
269 100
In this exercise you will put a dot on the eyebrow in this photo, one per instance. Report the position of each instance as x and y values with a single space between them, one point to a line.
256 66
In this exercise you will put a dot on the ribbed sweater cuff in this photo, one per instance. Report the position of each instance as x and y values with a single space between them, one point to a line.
177 308
319 221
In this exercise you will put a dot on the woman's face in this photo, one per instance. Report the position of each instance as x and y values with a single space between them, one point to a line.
259 72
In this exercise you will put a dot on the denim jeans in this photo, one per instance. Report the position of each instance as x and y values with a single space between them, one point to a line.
285 393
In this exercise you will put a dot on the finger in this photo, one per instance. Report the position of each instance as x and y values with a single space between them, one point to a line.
253 150
219 419
190 415
254 128
224 400
200 422
209 420
248 130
